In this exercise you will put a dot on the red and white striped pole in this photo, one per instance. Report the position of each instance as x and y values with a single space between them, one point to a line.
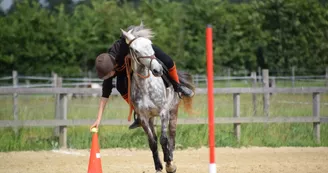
210 95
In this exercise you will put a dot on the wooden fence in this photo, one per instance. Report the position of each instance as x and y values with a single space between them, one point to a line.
61 122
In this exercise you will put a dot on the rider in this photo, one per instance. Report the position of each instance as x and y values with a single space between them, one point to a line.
111 64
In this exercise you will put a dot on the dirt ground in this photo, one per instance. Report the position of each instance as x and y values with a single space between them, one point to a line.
228 160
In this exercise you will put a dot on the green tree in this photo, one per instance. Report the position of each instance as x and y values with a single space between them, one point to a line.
35 41
298 34
65 37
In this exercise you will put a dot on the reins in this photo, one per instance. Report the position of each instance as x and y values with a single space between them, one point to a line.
128 73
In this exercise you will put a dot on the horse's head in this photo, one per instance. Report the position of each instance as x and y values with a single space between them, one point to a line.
141 50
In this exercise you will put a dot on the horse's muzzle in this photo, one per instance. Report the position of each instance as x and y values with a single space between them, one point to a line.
157 73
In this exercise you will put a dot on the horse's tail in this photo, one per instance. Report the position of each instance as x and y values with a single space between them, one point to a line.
186 80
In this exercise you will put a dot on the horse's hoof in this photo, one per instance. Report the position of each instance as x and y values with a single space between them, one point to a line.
171 168
158 171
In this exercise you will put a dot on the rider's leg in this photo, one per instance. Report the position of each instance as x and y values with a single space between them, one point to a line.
121 86
172 72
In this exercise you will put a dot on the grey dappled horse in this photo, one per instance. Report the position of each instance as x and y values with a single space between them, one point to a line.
150 96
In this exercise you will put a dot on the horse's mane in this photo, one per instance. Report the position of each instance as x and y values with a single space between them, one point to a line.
141 31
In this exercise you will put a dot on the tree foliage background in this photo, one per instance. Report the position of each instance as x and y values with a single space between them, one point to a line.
65 37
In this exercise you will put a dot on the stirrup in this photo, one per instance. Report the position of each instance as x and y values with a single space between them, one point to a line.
136 122
185 91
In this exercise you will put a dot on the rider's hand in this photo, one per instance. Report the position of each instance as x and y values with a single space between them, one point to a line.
95 124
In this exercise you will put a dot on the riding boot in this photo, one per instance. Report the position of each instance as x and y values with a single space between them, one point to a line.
136 122
176 83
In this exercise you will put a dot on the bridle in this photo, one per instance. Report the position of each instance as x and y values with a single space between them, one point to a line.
137 59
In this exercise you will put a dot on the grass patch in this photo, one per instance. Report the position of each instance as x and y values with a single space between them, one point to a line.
195 136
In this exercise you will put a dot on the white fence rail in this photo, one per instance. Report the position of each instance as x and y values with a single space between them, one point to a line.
199 80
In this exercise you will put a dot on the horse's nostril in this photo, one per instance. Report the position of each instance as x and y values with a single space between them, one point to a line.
155 71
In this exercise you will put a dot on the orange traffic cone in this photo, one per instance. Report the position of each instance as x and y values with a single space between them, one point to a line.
94 160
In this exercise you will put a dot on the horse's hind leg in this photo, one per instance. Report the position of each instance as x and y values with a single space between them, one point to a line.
172 133
166 146
173 128
148 127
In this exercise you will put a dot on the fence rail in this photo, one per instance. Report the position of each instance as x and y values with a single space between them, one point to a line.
301 90
199 80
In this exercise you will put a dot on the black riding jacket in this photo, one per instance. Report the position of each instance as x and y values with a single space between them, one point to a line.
119 50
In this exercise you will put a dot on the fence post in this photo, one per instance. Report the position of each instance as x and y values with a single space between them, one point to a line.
316 114
89 74
266 96
326 76
259 72
57 105
236 113
54 80
15 98
272 84
229 75
85 85
196 80
27 83
63 116
293 77
254 84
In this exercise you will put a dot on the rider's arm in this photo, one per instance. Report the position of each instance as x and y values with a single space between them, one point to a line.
107 87
102 105
106 91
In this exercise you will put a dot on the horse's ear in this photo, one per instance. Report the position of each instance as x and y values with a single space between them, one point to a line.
127 35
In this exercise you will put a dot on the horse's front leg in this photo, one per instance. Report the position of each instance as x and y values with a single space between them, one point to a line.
147 125
166 145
